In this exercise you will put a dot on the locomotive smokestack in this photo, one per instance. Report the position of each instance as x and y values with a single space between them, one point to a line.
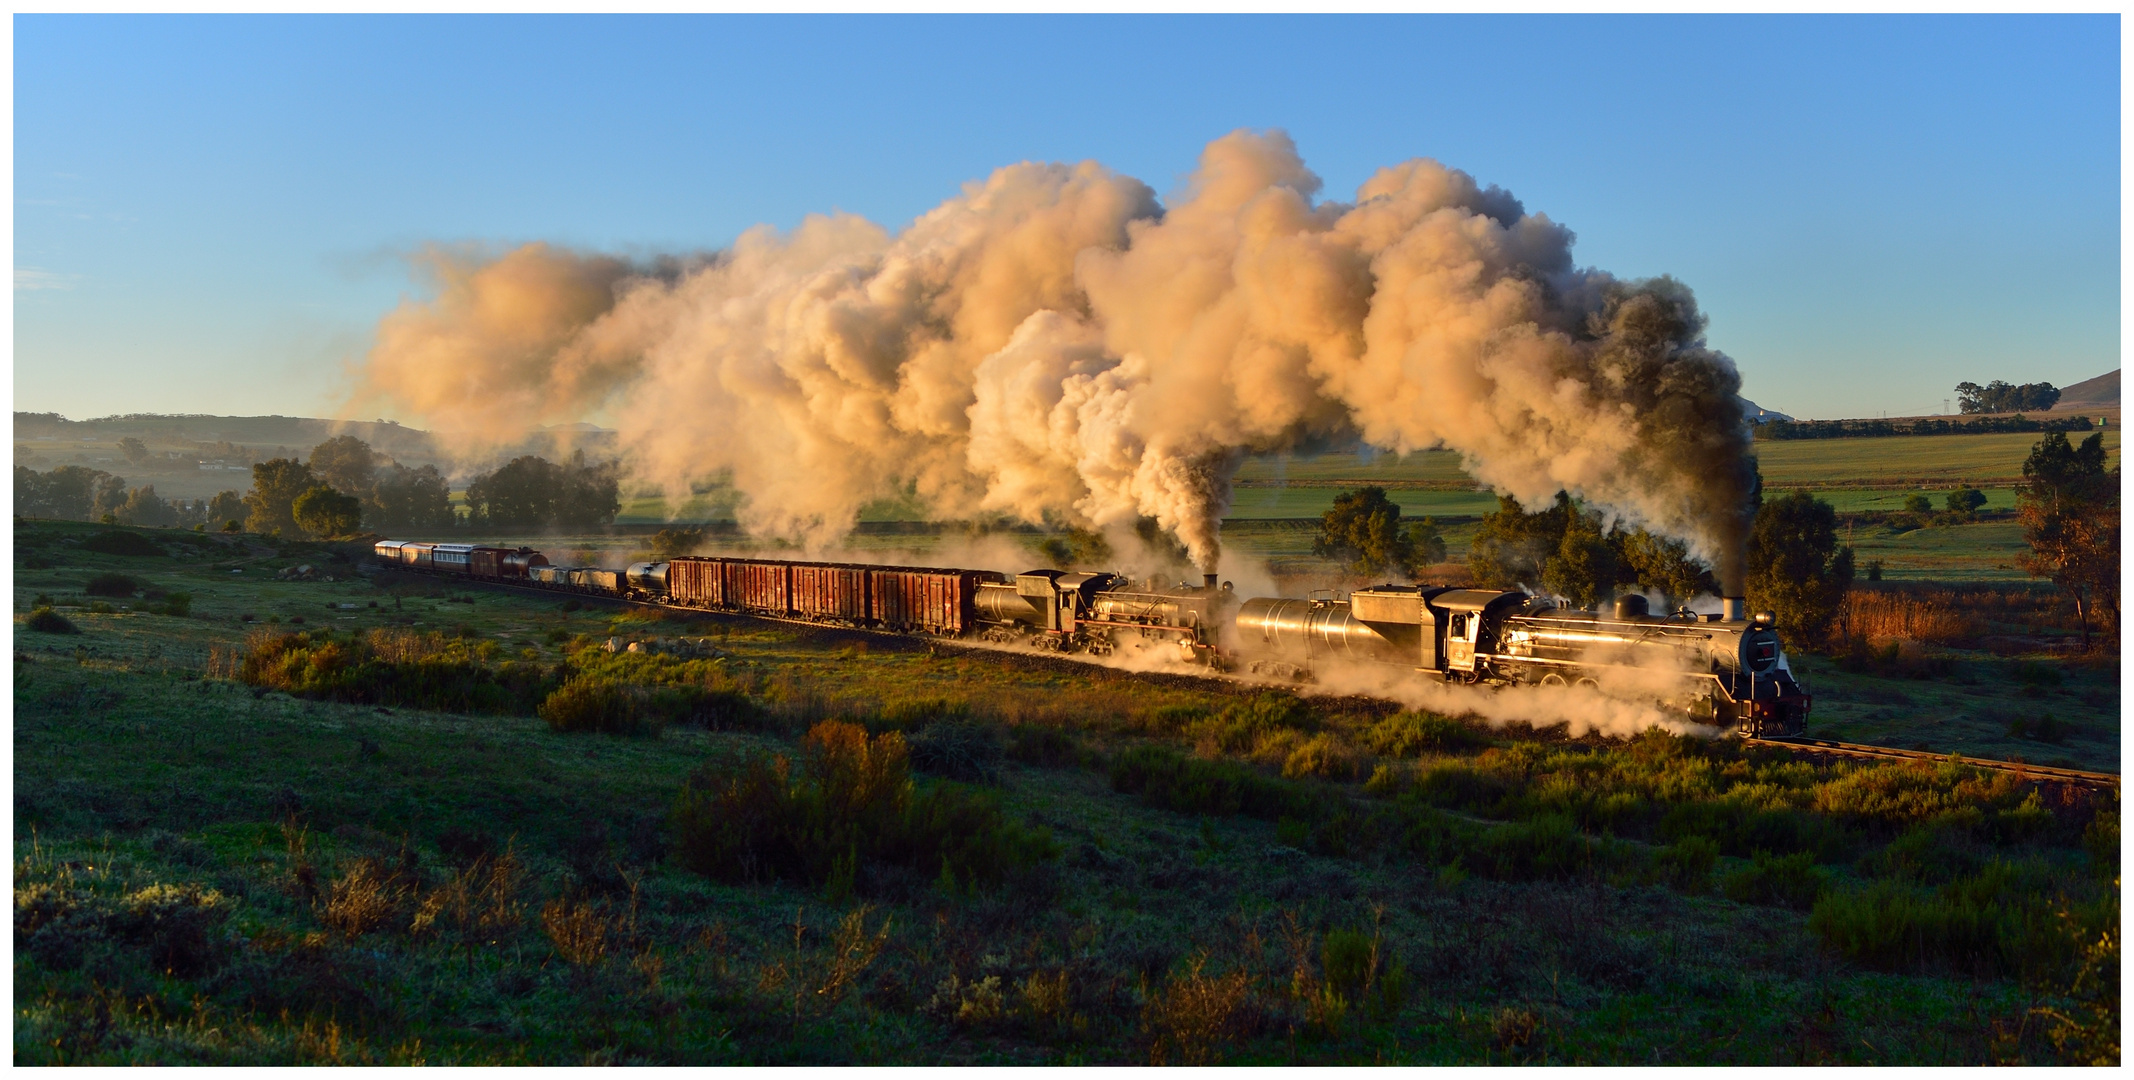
1734 608
1207 581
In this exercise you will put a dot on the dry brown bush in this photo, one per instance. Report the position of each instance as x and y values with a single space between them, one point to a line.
1938 617
478 904
578 929
1190 1018
1514 1028
364 898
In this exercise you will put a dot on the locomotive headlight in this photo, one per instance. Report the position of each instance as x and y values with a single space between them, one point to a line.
1764 618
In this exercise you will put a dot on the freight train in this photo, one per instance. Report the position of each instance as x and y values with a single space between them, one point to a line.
1727 669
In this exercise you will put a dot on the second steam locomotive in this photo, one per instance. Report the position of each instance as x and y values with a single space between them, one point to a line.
1726 669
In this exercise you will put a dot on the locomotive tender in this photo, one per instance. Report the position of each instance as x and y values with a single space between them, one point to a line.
1725 669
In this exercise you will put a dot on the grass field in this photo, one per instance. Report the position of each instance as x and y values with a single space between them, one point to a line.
1853 475
213 872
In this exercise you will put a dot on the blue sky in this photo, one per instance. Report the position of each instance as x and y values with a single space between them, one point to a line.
212 213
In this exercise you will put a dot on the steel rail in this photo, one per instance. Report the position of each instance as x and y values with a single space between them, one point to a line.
1891 753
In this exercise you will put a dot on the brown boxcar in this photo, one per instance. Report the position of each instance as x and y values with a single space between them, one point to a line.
759 585
697 582
830 591
483 562
935 601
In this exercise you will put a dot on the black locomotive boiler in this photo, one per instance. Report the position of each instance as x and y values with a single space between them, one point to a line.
1724 668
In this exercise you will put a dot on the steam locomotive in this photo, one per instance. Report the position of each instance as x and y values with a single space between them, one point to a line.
1726 669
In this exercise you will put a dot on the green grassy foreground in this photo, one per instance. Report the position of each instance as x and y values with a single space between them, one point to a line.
210 870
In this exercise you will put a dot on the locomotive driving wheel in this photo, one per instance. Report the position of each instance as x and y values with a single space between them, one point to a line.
1553 679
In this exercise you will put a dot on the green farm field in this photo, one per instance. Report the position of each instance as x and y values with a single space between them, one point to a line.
1853 475
229 862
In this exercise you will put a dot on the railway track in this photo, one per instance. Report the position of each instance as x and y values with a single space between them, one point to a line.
1890 753
2097 780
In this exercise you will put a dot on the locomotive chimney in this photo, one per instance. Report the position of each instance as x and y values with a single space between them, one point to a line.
1207 581
1734 609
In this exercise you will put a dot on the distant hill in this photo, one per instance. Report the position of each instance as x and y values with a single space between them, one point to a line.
1760 415
294 433
2102 391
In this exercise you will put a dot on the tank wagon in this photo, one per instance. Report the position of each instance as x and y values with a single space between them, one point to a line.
1727 669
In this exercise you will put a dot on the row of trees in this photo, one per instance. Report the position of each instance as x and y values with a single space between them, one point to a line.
2068 505
86 494
1796 567
345 487
2003 397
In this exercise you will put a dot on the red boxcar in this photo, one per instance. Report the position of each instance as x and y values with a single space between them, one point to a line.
483 562
830 591
759 585
696 581
935 601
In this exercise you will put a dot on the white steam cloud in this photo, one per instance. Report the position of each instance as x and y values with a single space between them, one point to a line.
1055 345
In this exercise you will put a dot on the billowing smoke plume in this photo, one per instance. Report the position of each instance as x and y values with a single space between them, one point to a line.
1055 345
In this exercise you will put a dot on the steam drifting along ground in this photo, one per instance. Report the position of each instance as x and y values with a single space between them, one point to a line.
1054 345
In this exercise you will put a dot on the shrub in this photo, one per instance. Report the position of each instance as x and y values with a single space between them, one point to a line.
1323 757
115 585
1547 847
121 542
913 716
1687 863
1169 780
387 667
1241 726
852 806
46 621
1992 923
1192 1017
178 604
959 750
1409 734
1042 745
593 704
1792 881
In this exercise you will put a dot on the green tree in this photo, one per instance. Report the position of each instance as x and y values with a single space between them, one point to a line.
1796 567
73 492
326 513
1076 547
346 464
587 495
1583 569
270 507
1511 548
2069 506
1364 534
144 507
1918 504
521 494
1659 563
1965 500
2001 397
404 498
135 450
225 507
